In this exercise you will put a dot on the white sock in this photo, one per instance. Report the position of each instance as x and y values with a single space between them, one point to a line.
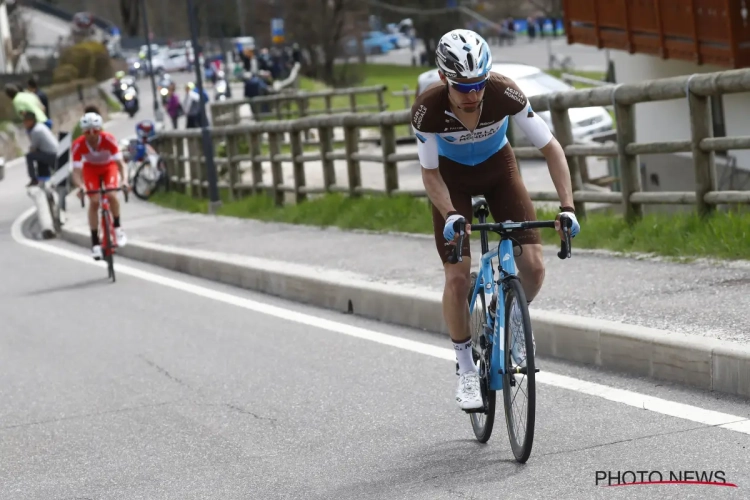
464 357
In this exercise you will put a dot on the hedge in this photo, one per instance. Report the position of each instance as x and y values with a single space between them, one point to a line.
83 60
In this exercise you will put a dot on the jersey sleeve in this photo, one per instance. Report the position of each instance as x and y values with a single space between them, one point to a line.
427 149
427 145
533 127
76 152
513 99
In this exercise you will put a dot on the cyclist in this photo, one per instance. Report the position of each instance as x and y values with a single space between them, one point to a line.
145 130
460 124
95 155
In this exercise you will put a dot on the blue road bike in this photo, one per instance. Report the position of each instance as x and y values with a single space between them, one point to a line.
495 330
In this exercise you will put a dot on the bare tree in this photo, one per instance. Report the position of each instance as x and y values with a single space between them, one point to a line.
324 26
130 11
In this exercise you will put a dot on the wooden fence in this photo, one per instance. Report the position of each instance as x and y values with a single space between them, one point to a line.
701 144
280 105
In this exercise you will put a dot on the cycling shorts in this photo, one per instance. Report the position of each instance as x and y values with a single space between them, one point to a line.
500 182
92 174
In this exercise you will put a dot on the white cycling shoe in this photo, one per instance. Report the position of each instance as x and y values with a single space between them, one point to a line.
122 238
518 346
96 252
468 393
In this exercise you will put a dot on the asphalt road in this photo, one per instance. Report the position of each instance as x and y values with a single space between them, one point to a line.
164 386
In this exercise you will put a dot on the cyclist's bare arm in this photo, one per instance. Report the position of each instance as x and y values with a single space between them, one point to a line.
434 184
540 136
123 170
77 178
559 171
437 191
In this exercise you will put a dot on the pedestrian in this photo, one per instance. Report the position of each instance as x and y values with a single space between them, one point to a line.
42 155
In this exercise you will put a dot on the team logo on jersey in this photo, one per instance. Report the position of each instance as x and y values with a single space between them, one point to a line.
421 138
419 115
449 138
479 134
515 95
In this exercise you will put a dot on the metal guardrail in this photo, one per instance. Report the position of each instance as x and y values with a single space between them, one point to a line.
695 89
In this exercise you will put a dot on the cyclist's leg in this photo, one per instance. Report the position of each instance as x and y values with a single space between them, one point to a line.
455 308
111 181
508 199
91 181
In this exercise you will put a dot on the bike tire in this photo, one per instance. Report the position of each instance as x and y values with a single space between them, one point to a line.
481 422
136 188
521 447
108 249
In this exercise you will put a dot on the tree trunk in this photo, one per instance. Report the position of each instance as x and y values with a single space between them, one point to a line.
130 11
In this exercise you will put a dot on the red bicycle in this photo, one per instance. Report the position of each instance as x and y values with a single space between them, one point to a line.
107 226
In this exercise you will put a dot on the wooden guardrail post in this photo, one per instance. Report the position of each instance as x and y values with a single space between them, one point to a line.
381 102
564 135
351 138
325 134
295 138
257 165
388 141
701 127
353 102
630 171
277 174
328 99
233 165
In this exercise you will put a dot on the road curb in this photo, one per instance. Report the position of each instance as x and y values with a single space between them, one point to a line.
690 360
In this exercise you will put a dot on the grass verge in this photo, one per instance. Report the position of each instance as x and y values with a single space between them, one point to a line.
724 235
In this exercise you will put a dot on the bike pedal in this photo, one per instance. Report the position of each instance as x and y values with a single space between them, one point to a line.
476 410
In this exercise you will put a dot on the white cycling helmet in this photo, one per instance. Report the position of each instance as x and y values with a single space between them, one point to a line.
91 121
463 54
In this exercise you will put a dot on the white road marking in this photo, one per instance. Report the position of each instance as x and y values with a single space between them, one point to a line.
630 398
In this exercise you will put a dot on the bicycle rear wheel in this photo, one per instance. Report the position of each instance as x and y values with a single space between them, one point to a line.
108 247
481 421
518 330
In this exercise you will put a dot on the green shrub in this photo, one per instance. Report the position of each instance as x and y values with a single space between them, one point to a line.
91 59
65 73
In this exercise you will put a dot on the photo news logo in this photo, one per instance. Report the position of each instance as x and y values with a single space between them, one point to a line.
645 477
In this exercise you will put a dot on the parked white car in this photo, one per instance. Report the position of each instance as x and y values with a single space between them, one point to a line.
533 81
176 60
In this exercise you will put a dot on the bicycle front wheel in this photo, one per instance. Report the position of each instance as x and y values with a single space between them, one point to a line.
108 248
484 420
519 381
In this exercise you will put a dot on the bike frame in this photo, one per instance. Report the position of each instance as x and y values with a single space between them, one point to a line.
486 284
104 211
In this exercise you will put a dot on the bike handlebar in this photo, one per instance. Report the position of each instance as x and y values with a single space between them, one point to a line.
102 191
505 227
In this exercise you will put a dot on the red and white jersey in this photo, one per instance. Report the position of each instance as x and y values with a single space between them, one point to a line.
104 153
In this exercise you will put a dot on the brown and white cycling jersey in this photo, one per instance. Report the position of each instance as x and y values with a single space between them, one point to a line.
442 137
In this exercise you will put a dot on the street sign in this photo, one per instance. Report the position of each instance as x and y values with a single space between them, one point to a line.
277 30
